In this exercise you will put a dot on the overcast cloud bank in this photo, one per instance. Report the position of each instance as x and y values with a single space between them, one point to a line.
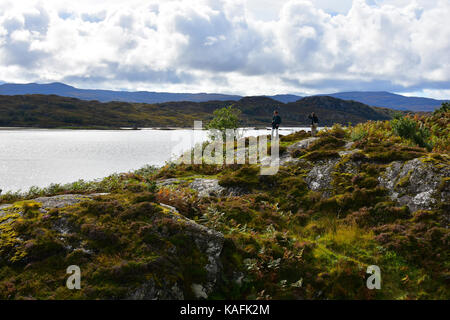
224 46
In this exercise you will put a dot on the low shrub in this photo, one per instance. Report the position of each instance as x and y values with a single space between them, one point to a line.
406 127
245 177
296 136
321 155
327 143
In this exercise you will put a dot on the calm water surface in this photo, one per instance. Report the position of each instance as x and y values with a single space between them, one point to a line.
37 157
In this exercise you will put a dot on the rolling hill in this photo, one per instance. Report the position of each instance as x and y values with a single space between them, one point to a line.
378 99
50 111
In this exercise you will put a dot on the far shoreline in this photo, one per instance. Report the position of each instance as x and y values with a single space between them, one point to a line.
138 129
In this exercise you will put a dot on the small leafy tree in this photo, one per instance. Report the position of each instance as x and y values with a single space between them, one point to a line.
225 118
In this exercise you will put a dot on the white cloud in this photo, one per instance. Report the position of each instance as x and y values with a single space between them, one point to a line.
228 45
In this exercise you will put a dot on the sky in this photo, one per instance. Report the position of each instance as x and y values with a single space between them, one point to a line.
247 47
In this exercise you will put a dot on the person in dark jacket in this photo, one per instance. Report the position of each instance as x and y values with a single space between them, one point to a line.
314 123
276 121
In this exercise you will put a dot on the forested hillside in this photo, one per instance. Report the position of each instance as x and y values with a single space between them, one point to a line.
50 111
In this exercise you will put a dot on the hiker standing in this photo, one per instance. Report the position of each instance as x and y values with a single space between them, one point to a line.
314 123
276 121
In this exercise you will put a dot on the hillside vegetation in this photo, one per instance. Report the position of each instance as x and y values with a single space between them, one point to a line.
350 198
49 111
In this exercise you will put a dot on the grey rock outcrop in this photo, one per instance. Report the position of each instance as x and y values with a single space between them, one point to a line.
207 187
149 290
211 187
2 207
287 159
303 144
167 182
208 242
172 209
204 187
65 200
348 150
211 243
53 202
415 184
320 176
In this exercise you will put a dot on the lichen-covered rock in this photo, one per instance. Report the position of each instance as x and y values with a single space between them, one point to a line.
209 243
47 203
204 187
286 154
207 187
2 207
286 159
346 165
150 291
416 183
167 182
320 176
348 152
168 256
211 187
64 200
170 208
301 145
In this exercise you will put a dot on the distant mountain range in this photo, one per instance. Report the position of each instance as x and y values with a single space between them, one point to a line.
381 99
61 89
377 99
391 100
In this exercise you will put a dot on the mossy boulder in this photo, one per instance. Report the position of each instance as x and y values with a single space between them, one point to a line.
416 183
320 176
301 145
328 142
125 249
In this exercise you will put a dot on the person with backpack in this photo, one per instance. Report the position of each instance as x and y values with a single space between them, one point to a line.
314 123
276 121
